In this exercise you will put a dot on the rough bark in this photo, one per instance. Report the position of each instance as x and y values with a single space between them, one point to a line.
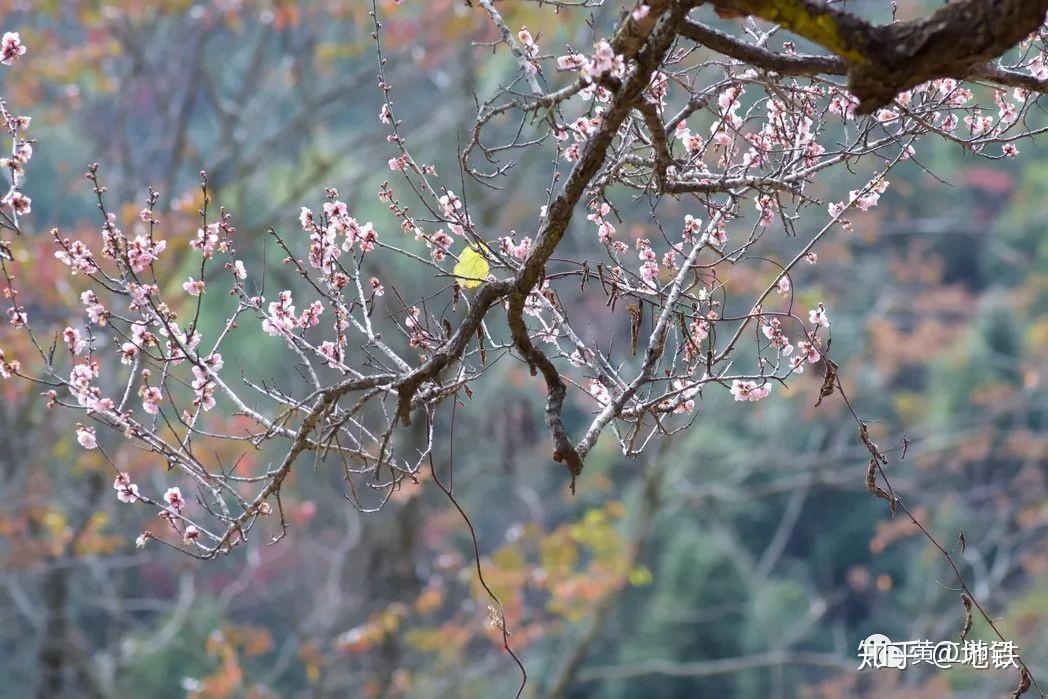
882 61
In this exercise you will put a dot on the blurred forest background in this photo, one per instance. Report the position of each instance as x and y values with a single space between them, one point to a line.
744 558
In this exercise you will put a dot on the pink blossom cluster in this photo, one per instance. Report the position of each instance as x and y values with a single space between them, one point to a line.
529 47
11 48
579 132
517 250
334 233
751 391
604 63
282 319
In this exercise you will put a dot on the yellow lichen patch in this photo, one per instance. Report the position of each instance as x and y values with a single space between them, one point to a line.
799 17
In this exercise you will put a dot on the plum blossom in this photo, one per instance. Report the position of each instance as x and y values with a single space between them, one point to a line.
17 317
173 498
807 350
151 398
1038 67
419 336
204 388
80 379
207 240
658 88
440 244
698 331
324 249
354 233
818 318
692 142
142 252
977 123
531 49
518 251
74 341
718 236
772 330
192 533
669 259
886 116
8 368
331 352
11 48
281 319
732 164
843 104
767 206
692 228
126 491
650 268
450 202
311 316
533 302
215 362
194 287
604 228
16 166
549 336
649 272
17 202
1007 111
869 198
604 62
749 390
722 129
128 353
572 61
77 256
684 402
86 437
797 363
141 336
599 391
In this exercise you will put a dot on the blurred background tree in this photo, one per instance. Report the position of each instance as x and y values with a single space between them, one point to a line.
702 569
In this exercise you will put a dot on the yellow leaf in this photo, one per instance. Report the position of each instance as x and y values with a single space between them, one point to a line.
55 522
472 268
640 576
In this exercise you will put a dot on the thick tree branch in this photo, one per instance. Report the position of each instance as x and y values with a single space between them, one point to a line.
761 57
956 41
560 211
